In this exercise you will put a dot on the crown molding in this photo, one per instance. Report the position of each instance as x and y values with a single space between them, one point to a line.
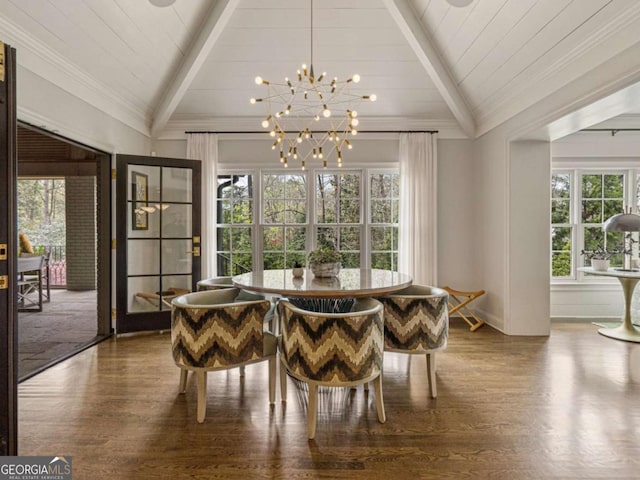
179 124
507 103
48 64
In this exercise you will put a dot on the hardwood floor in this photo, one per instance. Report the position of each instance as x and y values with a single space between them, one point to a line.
564 406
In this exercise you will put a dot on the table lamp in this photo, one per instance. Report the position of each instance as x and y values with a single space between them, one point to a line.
624 222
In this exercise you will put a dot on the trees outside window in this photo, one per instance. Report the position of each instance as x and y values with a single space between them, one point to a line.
235 207
383 211
286 215
339 214
284 220
581 201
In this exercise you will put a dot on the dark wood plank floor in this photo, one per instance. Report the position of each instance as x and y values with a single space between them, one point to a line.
564 406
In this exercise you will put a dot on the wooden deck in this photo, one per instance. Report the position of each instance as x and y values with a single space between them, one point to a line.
564 406
66 324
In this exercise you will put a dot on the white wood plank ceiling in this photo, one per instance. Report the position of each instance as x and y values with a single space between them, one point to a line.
429 63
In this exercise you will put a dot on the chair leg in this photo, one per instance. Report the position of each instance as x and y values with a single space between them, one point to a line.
377 385
431 368
312 413
183 380
272 380
283 383
201 378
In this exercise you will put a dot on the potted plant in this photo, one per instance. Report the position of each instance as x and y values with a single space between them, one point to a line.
599 257
325 261
297 270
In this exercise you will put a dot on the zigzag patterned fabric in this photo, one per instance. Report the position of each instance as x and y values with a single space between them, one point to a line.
331 348
415 323
216 337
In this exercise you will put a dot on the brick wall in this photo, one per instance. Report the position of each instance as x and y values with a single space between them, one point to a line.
81 232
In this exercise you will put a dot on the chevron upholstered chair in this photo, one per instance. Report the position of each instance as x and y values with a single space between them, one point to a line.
218 330
217 283
332 349
416 321
214 283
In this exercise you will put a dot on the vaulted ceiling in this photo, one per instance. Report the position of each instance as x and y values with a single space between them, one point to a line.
192 65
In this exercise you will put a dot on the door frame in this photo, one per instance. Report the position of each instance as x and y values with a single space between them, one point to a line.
153 320
103 229
8 266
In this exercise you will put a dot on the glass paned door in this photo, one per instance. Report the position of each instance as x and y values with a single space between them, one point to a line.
159 245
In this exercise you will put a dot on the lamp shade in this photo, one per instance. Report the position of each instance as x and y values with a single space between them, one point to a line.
622 222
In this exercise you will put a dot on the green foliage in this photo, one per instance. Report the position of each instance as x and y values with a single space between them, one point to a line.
598 253
284 236
561 264
41 211
324 254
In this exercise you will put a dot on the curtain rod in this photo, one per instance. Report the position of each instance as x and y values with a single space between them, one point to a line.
612 130
318 131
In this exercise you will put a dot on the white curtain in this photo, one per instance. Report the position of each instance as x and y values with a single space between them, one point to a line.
418 236
204 147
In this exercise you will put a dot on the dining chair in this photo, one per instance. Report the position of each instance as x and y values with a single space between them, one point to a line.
416 321
214 283
331 349
219 330
217 283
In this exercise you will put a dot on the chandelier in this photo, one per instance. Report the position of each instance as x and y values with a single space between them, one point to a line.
311 116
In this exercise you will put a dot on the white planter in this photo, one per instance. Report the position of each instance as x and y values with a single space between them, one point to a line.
600 265
325 269
298 272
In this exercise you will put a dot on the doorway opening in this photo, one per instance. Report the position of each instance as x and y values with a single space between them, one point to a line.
63 201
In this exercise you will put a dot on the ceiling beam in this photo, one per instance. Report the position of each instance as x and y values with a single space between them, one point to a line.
213 26
429 57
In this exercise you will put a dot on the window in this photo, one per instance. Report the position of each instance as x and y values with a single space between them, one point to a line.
383 220
339 214
354 210
235 224
602 197
284 220
581 201
561 226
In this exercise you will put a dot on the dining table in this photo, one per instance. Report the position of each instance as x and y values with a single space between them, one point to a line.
324 294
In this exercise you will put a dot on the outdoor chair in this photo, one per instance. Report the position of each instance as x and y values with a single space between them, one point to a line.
30 283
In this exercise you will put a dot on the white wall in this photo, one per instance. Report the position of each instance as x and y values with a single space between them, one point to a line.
456 232
45 105
489 210
529 208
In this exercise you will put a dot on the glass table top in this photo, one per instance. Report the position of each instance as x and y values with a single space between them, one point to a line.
350 282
